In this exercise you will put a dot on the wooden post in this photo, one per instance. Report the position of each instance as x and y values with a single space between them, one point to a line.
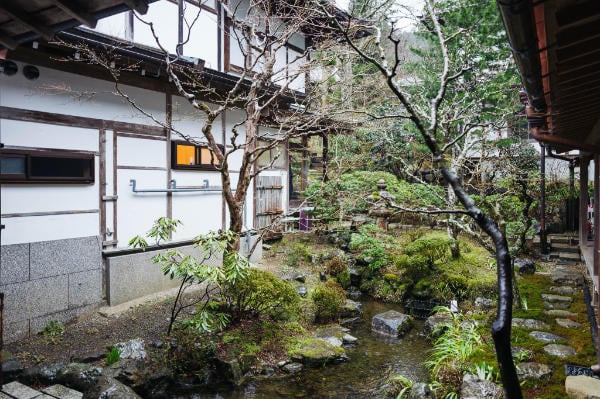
543 237
597 237
325 156
305 164
583 200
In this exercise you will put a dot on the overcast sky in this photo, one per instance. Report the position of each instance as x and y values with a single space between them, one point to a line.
415 5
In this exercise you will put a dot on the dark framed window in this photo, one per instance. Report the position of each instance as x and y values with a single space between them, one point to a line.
190 156
46 166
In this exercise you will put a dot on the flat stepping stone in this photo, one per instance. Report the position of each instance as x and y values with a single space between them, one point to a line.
568 323
562 290
533 371
558 350
557 305
546 337
17 390
62 392
391 323
568 278
530 324
556 298
559 313
581 386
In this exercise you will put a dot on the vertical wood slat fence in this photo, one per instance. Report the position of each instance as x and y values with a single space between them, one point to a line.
269 204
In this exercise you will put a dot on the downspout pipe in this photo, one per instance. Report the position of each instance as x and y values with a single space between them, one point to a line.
519 23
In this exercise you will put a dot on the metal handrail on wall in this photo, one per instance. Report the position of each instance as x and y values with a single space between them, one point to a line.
174 189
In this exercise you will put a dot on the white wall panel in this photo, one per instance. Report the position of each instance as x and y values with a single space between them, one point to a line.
189 121
164 16
41 135
137 211
199 213
54 227
113 25
203 36
70 94
26 198
140 152
109 157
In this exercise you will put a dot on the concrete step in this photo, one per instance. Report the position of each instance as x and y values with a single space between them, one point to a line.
569 256
564 247
563 239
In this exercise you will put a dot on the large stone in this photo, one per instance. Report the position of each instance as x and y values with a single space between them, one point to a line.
14 263
42 373
132 349
546 337
79 376
524 266
474 388
533 371
484 303
391 323
62 257
557 305
351 309
436 324
17 390
558 350
420 390
530 324
110 388
317 353
568 323
85 288
582 387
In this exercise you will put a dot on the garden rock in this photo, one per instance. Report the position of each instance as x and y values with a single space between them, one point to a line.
521 354
533 371
355 276
352 309
524 266
317 352
79 376
474 388
132 349
556 298
434 325
292 368
559 350
301 290
484 303
11 368
420 390
300 278
530 324
44 374
110 388
349 339
128 371
231 370
557 305
582 387
546 337
354 293
568 323
391 323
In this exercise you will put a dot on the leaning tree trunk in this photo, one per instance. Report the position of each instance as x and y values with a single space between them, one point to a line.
501 328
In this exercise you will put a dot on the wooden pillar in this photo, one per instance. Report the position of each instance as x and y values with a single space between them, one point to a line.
596 214
584 164
305 164
543 237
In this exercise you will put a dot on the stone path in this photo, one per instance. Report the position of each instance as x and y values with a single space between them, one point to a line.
557 302
16 390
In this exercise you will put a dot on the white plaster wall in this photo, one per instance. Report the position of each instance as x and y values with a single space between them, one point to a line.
202 36
140 152
164 16
189 121
233 117
70 94
137 212
41 135
113 25
53 227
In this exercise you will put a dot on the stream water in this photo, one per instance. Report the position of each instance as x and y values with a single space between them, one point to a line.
372 361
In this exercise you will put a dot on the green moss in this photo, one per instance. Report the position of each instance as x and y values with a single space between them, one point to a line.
328 299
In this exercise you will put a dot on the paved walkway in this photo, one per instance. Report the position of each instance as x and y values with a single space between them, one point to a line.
16 390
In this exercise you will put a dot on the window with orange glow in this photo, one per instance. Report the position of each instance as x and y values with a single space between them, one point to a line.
189 156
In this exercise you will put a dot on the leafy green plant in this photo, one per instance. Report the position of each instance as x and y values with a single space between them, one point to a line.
54 328
401 385
433 249
335 266
298 253
328 299
190 270
485 371
371 250
113 355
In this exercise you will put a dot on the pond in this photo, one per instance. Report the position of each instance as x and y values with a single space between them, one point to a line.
371 362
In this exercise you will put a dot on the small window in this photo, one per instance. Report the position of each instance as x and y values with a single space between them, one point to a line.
46 166
189 156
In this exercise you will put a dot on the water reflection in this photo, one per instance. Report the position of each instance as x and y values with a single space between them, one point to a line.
372 361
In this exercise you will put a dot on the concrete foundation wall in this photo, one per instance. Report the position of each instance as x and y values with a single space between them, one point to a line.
133 276
49 280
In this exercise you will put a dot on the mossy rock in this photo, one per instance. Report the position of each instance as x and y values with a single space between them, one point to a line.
315 352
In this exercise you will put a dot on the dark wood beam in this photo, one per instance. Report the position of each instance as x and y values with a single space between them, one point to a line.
28 21
74 10
137 5
581 61
578 14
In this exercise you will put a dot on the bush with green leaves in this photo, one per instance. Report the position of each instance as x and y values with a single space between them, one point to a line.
335 266
263 293
198 271
369 245
328 299
432 248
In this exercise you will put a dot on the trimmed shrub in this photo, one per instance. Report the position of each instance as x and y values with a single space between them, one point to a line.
328 299
335 266
263 293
